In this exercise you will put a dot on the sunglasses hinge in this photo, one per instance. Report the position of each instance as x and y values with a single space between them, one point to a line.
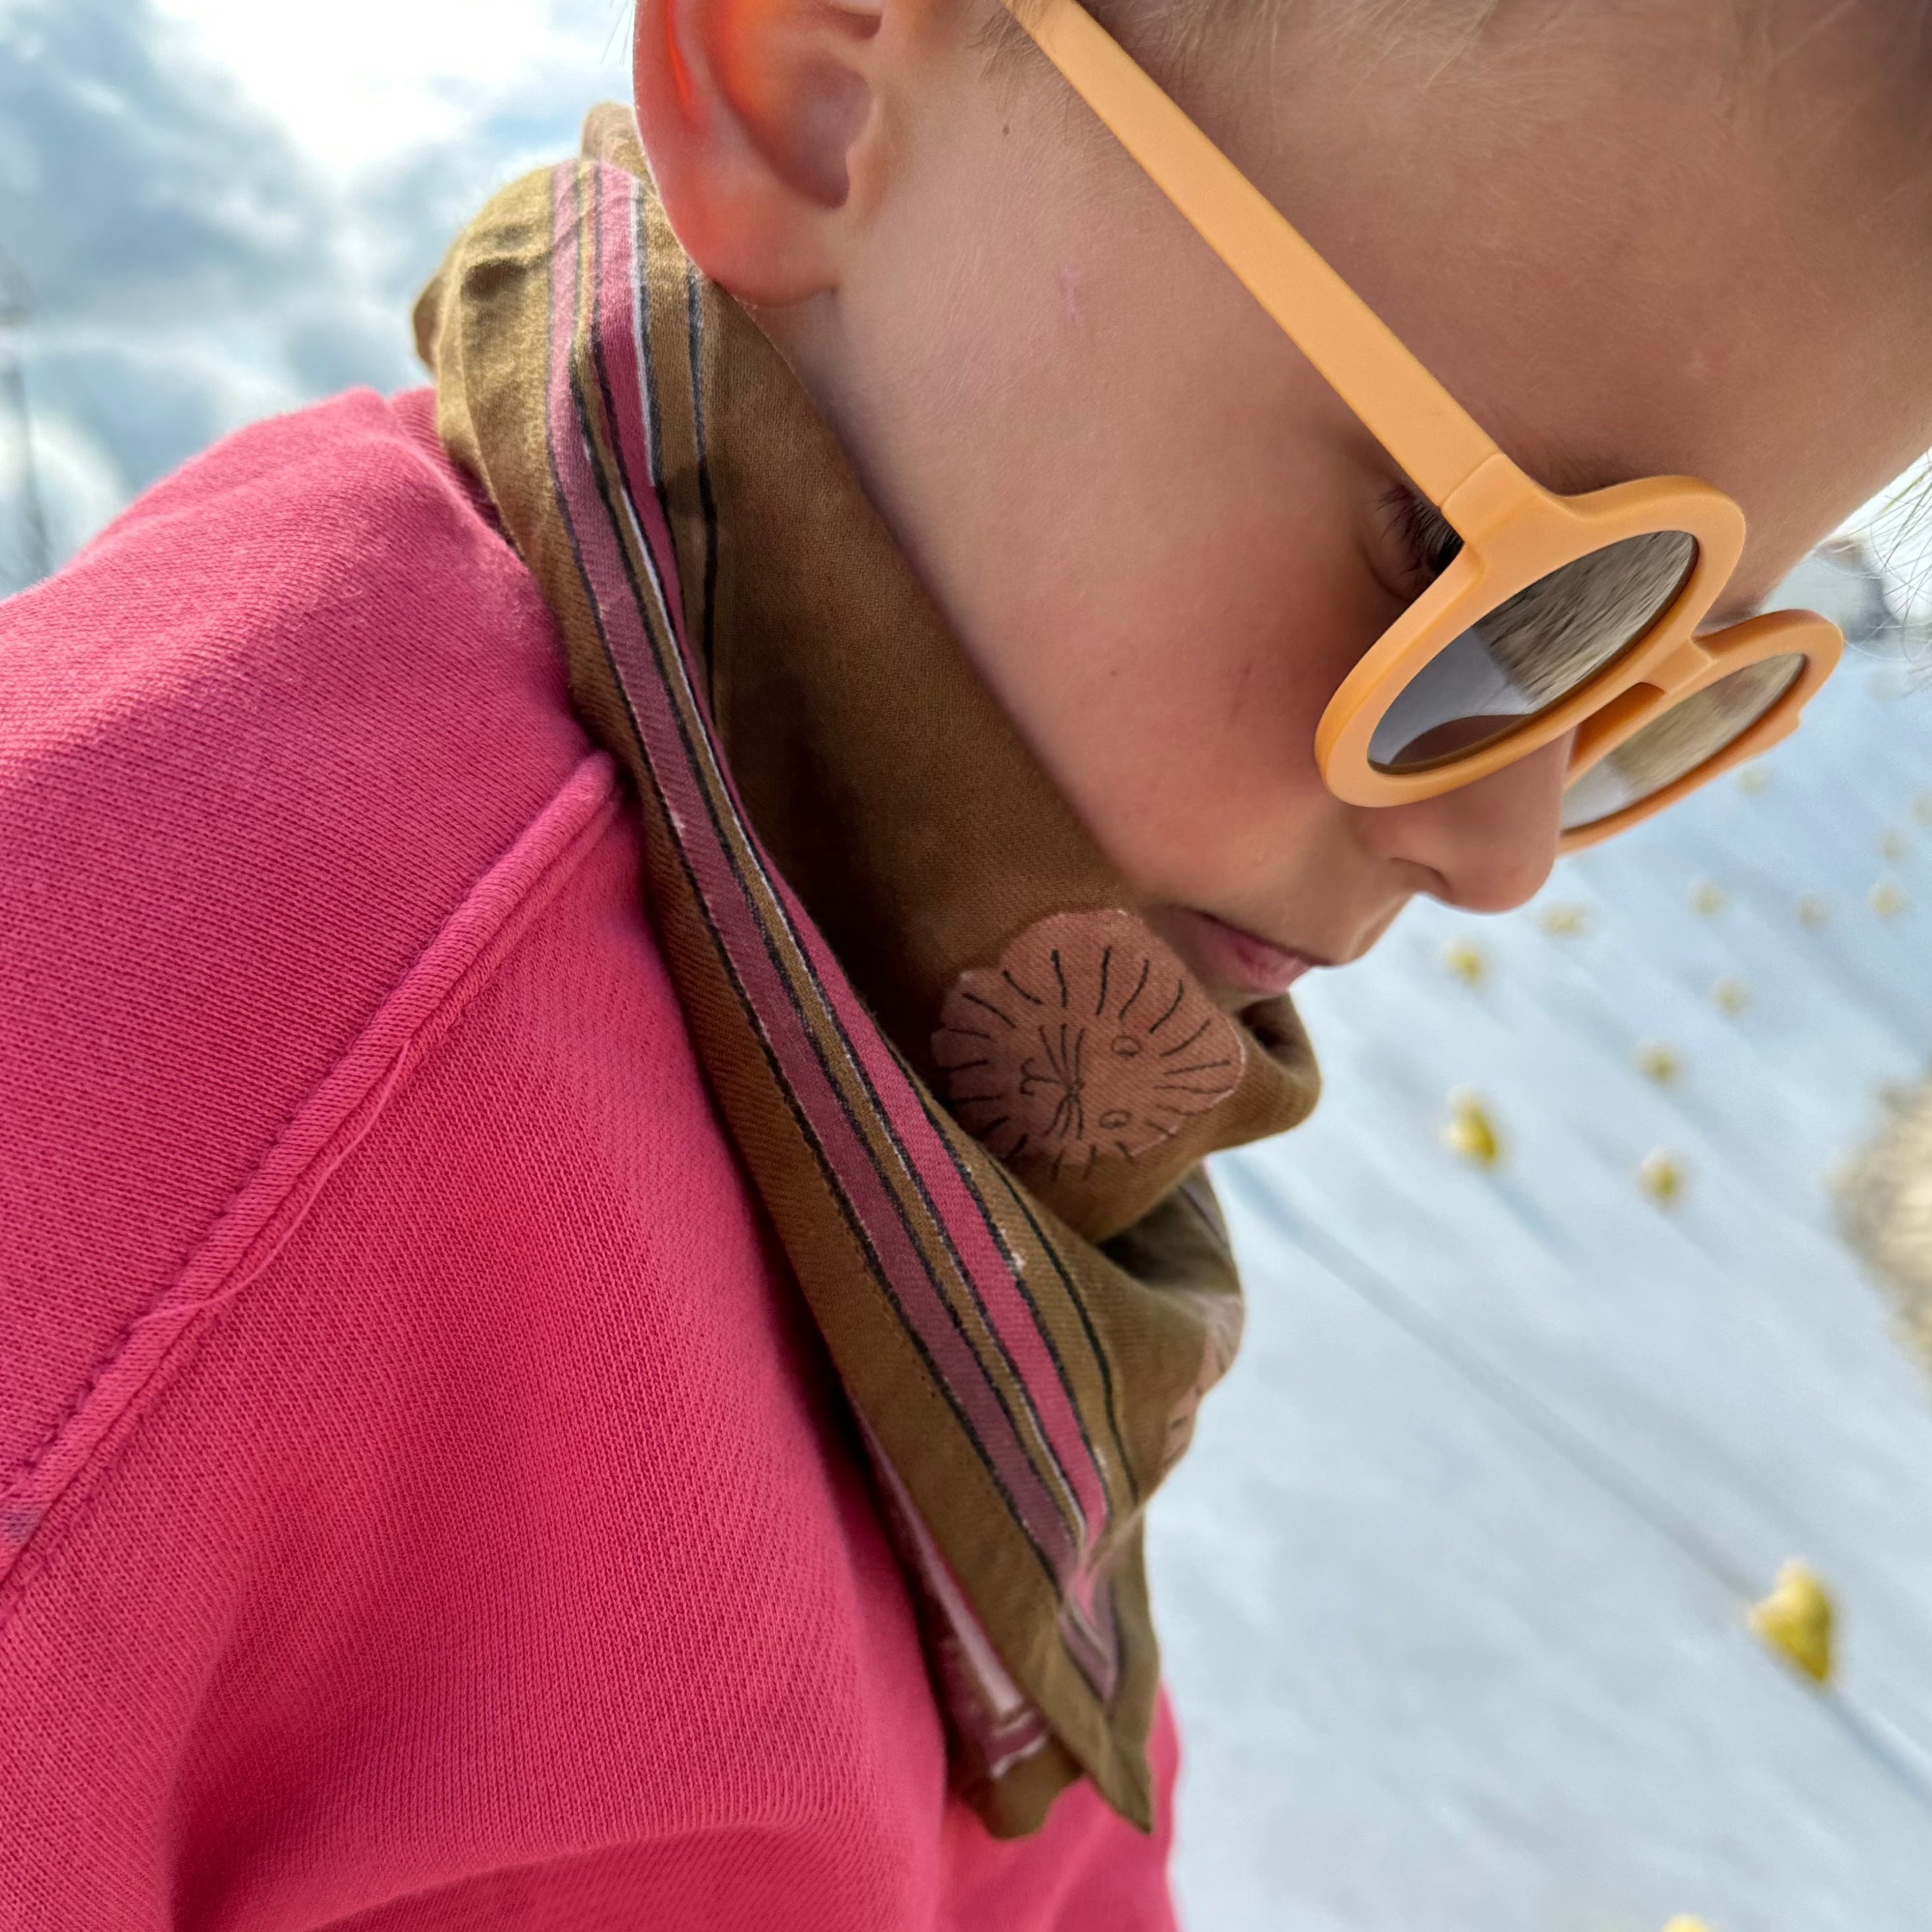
1485 500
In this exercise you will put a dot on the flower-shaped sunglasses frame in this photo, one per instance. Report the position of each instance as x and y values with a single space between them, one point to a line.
1514 532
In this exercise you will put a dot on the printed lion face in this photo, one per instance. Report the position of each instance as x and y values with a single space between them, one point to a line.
1089 1042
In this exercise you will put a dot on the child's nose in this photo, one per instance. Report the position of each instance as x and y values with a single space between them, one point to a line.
1489 845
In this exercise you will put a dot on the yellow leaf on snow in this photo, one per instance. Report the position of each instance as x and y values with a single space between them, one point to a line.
1472 1132
1565 922
1798 1621
1467 960
1659 1060
1662 1177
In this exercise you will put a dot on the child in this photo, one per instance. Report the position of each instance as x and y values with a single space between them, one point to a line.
618 977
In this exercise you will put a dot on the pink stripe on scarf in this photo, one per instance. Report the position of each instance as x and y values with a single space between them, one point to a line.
960 1216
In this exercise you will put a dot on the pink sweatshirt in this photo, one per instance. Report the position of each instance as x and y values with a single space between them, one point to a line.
425 1503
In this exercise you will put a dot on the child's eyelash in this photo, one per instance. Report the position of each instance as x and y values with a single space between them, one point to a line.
1430 542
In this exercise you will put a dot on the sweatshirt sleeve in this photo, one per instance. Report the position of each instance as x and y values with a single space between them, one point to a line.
259 746
424 1504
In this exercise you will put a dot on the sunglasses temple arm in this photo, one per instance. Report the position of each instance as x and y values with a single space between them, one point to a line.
1407 411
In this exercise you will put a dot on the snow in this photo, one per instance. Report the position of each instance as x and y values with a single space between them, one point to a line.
1453 1582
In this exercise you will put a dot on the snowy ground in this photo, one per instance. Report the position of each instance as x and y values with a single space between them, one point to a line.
1453 1582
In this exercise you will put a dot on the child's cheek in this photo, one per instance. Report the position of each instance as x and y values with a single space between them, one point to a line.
1194 763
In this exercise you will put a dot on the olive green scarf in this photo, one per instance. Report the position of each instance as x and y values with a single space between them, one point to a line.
971 1088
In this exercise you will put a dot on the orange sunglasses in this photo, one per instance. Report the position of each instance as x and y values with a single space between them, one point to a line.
1557 614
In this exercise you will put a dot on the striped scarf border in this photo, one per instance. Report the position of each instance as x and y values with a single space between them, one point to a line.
901 1175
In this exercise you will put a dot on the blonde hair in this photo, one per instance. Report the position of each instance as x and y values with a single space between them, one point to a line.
1884 1201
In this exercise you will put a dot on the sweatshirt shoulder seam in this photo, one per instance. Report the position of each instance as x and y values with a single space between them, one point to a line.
48 1486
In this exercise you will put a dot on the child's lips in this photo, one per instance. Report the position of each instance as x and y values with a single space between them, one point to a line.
1232 959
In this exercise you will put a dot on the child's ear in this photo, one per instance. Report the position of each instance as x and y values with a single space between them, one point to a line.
750 111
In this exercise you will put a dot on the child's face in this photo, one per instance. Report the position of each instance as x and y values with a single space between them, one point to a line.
1629 242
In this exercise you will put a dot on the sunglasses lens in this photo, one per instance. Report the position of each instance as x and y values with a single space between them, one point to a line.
1532 653
1672 746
